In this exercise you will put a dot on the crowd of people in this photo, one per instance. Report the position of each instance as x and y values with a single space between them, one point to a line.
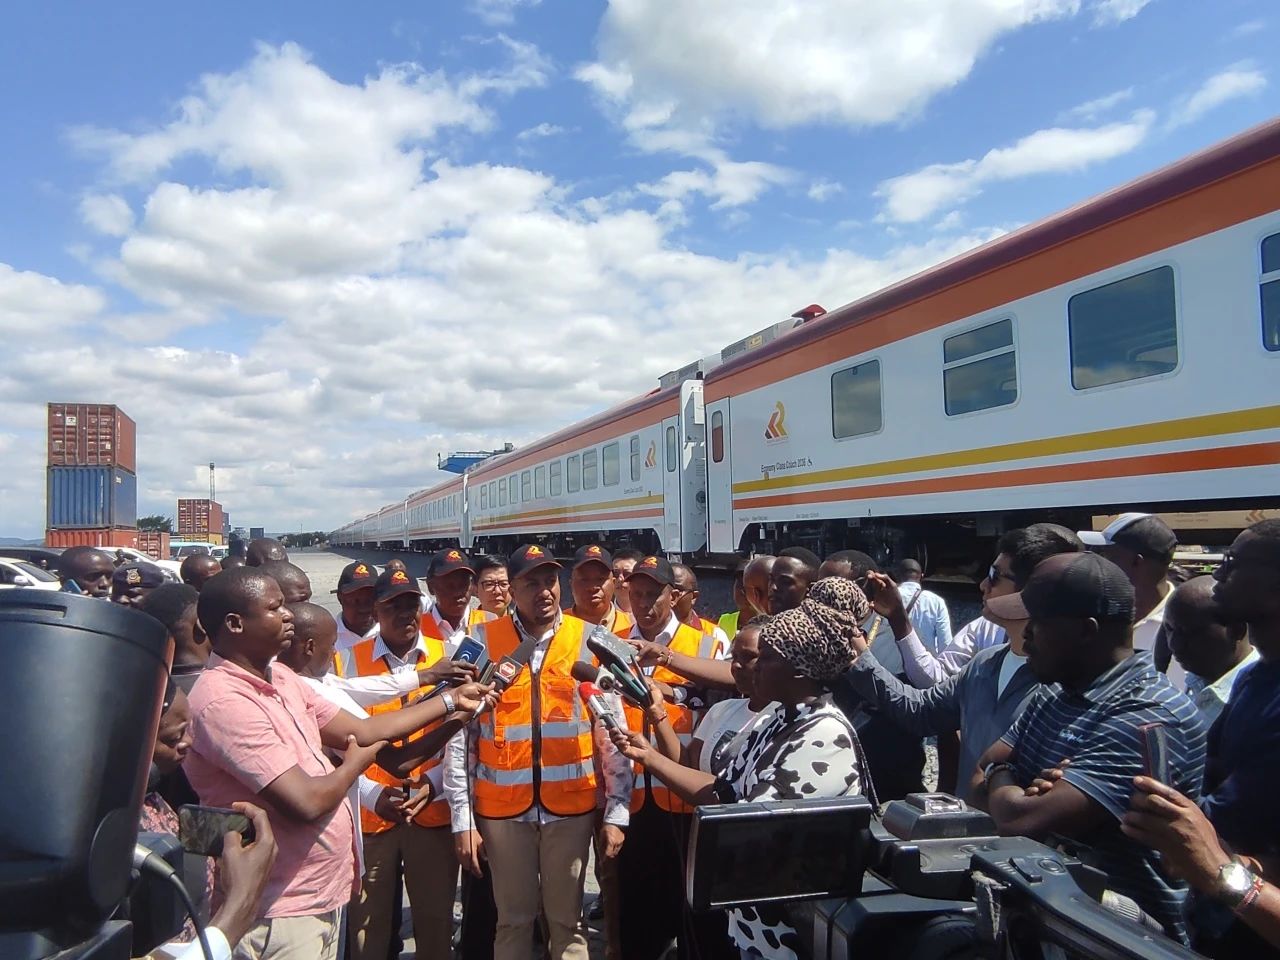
374 762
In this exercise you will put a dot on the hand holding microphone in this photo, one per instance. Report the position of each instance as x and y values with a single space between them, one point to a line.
593 697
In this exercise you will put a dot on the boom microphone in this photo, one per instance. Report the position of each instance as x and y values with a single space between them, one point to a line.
599 710
620 660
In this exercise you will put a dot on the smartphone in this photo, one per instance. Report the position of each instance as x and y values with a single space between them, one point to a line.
201 829
1155 751
471 651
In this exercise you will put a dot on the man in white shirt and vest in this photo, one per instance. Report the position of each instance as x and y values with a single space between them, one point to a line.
531 766
357 620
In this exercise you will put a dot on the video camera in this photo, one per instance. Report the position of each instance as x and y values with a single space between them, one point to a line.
931 880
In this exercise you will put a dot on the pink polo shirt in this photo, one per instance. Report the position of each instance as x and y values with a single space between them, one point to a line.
245 733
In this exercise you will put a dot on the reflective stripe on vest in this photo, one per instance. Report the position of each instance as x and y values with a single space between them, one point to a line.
691 643
535 745
365 665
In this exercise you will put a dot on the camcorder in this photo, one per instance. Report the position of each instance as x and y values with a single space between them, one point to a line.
930 880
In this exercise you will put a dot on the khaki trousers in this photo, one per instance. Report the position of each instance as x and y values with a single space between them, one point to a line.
431 879
292 938
538 865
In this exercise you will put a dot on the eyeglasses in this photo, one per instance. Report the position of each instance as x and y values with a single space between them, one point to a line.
494 584
995 575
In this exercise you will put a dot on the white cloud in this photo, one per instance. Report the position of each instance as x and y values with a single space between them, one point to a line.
1240 80
782 64
822 190
917 196
541 131
1092 110
1246 29
366 303
1108 12
729 184
107 213
499 12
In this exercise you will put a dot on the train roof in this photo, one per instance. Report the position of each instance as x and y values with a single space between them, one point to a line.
1228 158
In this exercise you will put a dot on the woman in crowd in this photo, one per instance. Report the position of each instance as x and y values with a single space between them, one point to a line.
800 747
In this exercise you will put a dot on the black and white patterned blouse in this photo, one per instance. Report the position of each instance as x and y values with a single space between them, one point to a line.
792 753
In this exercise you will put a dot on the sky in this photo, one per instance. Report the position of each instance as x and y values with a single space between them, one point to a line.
321 243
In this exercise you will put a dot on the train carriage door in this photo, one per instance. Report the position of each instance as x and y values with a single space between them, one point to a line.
464 521
670 460
719 478
693 468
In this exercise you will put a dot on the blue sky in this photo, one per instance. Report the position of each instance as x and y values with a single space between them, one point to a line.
320 243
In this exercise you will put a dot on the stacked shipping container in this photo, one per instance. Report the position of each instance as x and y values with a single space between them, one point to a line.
201 520
92 486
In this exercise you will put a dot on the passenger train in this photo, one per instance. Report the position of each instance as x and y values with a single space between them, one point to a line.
1123 354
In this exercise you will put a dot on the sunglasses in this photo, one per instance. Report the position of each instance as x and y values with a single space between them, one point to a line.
995 575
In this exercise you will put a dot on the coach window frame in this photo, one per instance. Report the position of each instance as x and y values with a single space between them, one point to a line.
513 488
555 477
671 447
526 486
590 469
573 473
1113 277
611 464
635 457
502 491
1269 281
484 496
717 436
977 358
844 367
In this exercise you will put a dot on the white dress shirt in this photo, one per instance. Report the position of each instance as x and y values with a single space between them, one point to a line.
348 638
929 616
923 668
1212 698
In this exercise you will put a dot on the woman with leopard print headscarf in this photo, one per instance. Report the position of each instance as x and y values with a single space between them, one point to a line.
801 747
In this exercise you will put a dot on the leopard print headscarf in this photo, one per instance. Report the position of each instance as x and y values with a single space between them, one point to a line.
817 637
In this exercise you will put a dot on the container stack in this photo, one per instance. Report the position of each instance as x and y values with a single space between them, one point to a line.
92 484
201 520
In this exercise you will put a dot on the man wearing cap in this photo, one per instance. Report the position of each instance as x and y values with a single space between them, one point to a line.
593 587
650 873
130 582
450 579
1086 725
532 764
1142 546
423 848
358 620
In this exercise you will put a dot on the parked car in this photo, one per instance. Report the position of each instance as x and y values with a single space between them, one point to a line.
172 569
42 557
20 573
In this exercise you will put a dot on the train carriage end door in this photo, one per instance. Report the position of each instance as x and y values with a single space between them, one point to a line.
719 478
693 468
670 444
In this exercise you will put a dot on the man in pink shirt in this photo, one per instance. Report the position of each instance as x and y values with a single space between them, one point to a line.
257 735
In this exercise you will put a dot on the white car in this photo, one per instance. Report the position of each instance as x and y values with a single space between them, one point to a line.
19 573
172 569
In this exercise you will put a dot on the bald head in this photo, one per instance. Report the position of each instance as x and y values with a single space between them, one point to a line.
264 550
1200 634
755 582
910 570
198 568
89 568
294 583
685 584
310 652
394 564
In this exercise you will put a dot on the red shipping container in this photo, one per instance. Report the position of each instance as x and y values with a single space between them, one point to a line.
199 516
154 543
92 435
105 538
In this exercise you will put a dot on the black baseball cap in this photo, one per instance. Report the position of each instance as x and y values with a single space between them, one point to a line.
145 575
1070 585
356 576
527 558
593 553
1142 533
655 568
392 583
448 561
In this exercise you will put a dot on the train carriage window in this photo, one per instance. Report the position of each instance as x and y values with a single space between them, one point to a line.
513 489
856 407
1271 292
980 370
611 465
502 493
572 473
526 486
673 449
590 475
484 497
717 436
493 494
1126 330
553 475
635 458
539 483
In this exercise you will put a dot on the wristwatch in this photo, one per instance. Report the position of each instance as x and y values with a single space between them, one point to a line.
1237 886
991 769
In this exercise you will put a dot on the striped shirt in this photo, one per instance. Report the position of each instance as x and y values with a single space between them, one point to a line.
1097 730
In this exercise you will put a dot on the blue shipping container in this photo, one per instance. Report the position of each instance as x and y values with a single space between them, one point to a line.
92 497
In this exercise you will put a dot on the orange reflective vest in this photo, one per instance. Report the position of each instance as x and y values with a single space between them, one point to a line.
535 745
364 663
691 643
622 621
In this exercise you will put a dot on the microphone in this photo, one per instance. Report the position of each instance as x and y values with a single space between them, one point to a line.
585 672
146 860
599 710
470 650
620 660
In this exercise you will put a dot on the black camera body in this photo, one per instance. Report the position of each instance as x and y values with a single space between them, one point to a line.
931 880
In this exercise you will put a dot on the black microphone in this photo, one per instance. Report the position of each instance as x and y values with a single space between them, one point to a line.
618 657
596 706
146 860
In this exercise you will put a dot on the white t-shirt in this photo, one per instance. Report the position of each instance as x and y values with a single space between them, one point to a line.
1011 665
719 730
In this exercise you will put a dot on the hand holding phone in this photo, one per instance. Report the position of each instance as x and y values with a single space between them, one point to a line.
201 829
